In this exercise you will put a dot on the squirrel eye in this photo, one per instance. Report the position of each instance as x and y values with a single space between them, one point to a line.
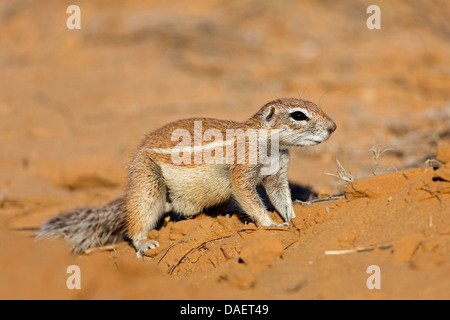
299 116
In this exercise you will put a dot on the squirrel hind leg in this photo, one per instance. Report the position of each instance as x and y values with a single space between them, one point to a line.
140 221
141 218
145 205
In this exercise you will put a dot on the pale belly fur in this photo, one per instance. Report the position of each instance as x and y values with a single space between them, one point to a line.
192 189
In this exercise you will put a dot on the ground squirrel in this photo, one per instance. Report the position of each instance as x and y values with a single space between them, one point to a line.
193 164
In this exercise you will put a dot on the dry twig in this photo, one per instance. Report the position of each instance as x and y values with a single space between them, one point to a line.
201 243
342 173
360 249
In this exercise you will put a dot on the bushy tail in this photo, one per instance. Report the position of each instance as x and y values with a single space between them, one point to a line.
87 227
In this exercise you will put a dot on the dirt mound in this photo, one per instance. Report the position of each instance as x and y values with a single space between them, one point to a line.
398 221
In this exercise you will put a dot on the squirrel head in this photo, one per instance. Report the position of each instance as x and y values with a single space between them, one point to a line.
300 123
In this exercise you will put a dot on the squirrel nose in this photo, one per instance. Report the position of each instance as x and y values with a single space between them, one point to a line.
331 126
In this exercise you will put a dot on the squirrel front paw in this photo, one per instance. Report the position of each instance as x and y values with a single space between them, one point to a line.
268 222
277 225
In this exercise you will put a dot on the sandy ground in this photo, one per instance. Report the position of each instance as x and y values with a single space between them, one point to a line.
75 103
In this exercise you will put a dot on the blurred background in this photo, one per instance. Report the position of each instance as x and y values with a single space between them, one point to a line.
75 103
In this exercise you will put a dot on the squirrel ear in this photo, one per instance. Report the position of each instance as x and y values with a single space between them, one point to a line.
269 116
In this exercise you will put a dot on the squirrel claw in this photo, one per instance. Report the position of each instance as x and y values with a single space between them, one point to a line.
284 224
142 246
273 224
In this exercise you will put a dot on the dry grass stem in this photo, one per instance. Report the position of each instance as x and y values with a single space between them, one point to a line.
342 173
